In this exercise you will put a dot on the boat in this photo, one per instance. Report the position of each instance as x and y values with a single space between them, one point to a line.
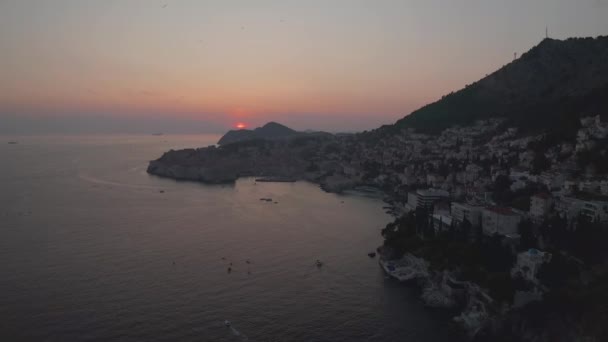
405 269
319 263
12 143
227 323
371 254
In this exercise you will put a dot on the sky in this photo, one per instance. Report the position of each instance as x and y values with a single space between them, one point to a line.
196 66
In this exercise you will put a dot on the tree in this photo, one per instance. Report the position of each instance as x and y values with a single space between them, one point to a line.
312 167
558 271
540 163
496 256
526 233
555 230
589 240
465 230
422 220
502 188
502 183
400 235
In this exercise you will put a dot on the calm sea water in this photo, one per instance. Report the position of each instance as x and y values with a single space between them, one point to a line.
91 250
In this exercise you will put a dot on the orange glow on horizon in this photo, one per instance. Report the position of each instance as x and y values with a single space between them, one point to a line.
241 125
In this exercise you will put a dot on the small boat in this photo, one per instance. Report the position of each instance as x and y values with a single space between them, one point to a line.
319 263
371 254
227 323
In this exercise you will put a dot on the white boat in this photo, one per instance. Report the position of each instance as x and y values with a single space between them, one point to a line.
227 323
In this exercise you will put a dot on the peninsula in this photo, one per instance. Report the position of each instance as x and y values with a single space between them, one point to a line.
500 191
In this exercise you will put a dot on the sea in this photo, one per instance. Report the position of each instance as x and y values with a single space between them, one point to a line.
92 248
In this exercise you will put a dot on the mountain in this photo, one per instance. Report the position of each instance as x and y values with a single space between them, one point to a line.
545 86
269 131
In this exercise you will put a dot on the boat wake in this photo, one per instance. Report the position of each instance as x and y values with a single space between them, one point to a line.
238 334
101 181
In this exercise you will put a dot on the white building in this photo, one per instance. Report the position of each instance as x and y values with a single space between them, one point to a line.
426 198
518 184
412 202
472 172
552 180
589 186
568 207
604 187
540 206
441 222
499 220
571 208
595 210
528 264
518 173
434 180
462 211
568 186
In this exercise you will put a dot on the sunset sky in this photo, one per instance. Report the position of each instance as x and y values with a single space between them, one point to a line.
203 66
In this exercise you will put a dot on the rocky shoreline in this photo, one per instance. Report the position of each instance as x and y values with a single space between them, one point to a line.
441 289
226 174
179 165
223 165
268 162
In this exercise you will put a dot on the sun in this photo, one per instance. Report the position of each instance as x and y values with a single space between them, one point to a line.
241 125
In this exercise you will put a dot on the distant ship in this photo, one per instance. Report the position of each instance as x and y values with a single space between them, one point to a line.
157 134
12 142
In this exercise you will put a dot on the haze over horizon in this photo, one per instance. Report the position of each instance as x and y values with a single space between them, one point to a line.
203 66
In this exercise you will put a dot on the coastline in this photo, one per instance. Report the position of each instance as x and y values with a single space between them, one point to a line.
327 184
440 288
